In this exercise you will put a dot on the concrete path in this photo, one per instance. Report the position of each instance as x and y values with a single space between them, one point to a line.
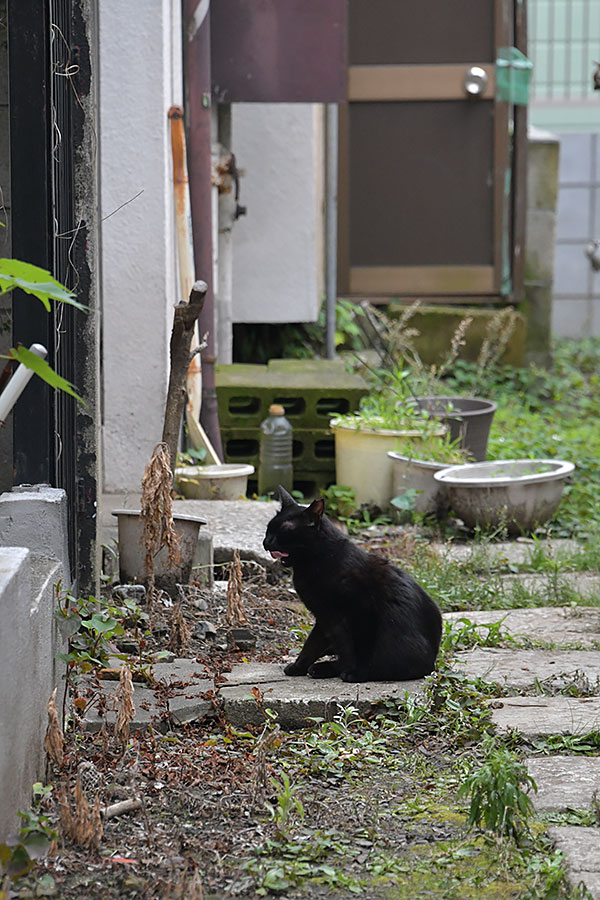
556 626
550 691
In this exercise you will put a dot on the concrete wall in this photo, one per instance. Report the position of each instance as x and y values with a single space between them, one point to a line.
576 307
140 78
542 188
32 561
278 247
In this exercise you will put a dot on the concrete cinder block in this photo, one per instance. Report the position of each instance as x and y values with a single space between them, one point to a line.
35 516
29 641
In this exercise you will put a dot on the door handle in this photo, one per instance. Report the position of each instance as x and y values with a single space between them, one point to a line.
475 81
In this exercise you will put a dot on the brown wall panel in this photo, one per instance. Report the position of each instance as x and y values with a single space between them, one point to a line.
420 31
427 201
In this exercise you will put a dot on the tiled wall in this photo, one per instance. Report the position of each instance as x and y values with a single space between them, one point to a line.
576 305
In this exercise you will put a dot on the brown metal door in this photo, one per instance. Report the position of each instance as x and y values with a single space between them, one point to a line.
424 193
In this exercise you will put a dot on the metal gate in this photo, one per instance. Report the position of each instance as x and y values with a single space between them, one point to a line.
426 187
49 72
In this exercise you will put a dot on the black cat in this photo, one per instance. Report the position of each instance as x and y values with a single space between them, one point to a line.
373 617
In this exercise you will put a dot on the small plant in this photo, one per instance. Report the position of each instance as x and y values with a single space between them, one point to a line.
340 501
193 456
39 283
497 799
34 837
462 634
90 625
286 808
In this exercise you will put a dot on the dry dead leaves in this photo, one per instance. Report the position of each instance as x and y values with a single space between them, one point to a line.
125 709
54 740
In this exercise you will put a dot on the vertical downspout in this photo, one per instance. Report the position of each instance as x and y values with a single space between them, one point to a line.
227 212
331 182
197 82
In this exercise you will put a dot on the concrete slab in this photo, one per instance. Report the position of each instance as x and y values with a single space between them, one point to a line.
564 782
559 625
180 697
540 716
521 669
295 699
518 552
581 847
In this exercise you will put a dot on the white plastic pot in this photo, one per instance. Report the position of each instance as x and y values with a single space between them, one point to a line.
225 482
517 493
417 474
362 462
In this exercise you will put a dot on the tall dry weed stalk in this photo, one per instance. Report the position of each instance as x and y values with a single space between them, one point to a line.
125 708
180 631
498 333
235 614
400 348
157 512
82 824
54 739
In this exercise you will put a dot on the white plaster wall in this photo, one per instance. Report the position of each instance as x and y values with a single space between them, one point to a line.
278 247
140 78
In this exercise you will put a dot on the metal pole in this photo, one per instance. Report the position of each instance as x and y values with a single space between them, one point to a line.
198 112
227 205
331 182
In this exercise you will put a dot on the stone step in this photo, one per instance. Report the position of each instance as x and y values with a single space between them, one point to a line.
557 625
179 698
564 782
545 585
581 847
535 717
523 669
296 699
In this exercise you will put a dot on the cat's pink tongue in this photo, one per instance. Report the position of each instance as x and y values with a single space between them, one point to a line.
277 554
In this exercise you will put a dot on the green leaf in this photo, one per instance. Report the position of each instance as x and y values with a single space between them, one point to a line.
100 624
20 863
43 370
275 880
34 280
37 844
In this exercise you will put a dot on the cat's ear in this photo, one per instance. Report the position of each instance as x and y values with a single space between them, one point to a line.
315 511
285 499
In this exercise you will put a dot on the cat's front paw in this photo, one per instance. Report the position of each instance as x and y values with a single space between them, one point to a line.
294 669
349 676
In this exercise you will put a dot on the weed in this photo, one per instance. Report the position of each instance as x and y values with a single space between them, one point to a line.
587 744
90 625
34 837
497 800
287 807
462 634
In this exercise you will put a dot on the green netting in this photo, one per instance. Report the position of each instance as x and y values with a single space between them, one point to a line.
513 74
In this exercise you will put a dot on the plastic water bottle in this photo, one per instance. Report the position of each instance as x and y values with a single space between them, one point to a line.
275 452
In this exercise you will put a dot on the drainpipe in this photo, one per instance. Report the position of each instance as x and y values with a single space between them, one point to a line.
227 186
197 78
331 180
